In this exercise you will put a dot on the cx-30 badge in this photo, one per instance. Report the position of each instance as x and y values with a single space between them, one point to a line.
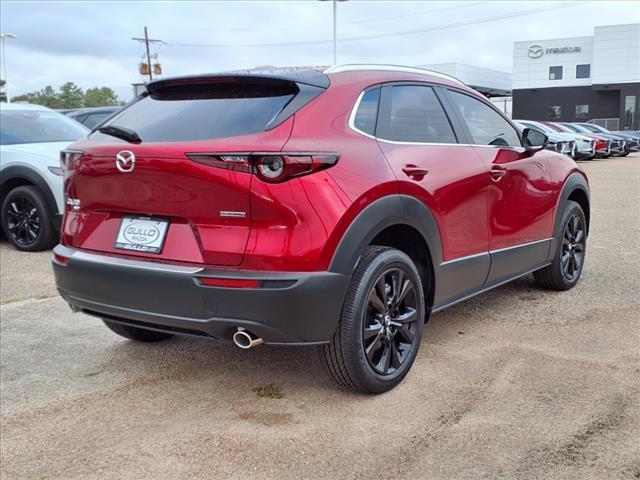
125 161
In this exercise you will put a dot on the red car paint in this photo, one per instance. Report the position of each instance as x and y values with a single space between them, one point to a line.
298 224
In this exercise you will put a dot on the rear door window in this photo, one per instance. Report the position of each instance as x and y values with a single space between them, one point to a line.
415 115
486 126
205 111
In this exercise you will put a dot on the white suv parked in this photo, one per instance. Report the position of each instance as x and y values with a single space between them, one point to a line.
31 196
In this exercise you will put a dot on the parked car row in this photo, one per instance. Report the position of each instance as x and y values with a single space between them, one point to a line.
91 117
584 141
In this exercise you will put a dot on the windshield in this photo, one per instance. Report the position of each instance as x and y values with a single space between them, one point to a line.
201 112
537 126
38 126
594 128
575 128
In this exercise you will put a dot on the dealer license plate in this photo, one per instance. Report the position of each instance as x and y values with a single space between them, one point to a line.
142 234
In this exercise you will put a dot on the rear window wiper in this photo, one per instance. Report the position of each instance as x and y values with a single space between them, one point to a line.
120 132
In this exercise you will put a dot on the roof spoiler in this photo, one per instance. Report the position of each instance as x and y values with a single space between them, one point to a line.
312 78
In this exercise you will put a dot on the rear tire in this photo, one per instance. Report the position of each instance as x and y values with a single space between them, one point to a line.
136 334
26 220
380 329
569 258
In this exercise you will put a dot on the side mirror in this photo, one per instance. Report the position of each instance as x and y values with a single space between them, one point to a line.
534 140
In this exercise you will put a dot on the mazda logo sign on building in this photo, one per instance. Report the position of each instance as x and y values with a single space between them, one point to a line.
535 51
125 161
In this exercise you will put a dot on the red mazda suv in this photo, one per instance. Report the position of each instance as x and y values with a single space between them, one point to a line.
337 209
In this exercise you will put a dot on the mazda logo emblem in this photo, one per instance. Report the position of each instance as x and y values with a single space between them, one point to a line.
535 51
125 161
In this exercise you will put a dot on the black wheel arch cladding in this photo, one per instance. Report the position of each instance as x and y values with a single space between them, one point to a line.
18 175
379 215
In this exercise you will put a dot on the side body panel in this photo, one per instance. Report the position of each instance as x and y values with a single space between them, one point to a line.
455 192
521 202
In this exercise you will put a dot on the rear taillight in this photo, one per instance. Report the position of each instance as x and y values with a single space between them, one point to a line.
269 167
67 157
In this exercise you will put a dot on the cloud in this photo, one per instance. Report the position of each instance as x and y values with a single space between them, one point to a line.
90 42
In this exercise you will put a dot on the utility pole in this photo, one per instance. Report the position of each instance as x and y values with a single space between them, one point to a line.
146 43
3 37
146 40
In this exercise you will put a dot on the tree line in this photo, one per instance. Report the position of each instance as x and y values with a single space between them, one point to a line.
70 95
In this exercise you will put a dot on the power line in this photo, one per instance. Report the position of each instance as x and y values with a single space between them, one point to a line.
299 27
387 35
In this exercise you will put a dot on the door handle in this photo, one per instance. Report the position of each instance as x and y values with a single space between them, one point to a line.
415 172
497 172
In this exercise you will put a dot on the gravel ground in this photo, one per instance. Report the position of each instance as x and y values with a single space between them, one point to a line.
516 383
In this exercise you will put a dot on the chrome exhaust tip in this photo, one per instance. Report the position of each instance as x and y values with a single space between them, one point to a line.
245 339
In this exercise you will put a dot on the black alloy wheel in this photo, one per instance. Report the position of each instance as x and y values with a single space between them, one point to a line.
389 331
380 328
573 247
569 252
23 221
26 220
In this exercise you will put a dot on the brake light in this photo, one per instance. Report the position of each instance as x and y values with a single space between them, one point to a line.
269 167
67 157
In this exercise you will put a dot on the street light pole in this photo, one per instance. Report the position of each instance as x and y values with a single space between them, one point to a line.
3 36
335 29
335 14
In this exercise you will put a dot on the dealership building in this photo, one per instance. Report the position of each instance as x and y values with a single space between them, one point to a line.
579 79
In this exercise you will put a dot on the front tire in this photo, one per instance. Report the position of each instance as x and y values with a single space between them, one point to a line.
566 268
136 334
381 324
26 220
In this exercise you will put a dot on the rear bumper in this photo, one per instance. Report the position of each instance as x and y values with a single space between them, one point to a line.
288 308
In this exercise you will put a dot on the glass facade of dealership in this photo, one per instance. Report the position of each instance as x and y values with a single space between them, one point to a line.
580 79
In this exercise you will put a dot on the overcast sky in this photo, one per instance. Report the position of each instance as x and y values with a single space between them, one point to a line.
90 43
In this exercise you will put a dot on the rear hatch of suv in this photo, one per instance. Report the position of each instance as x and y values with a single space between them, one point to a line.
154 181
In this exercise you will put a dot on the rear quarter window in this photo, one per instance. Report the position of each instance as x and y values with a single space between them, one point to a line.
367 113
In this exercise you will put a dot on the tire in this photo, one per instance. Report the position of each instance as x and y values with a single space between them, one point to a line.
137 334
26 220
566 268
393 330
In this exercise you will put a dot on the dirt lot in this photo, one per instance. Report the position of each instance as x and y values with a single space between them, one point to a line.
517 383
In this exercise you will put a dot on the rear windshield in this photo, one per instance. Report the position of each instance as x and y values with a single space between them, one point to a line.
38 126
205 111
